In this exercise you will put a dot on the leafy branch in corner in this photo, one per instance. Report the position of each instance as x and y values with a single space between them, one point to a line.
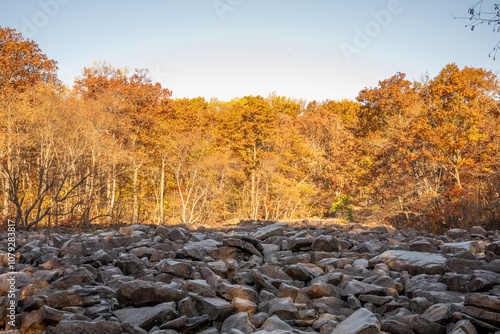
480 14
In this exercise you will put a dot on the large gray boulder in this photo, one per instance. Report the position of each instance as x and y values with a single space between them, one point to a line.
414 263
143 293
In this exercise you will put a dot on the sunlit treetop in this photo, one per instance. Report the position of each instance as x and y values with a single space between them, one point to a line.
22 63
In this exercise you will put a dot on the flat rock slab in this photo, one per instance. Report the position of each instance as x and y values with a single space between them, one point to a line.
415 263
452 247
357 288
86 327
269 231
360 322
147 317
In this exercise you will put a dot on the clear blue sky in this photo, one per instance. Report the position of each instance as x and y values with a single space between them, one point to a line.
310 49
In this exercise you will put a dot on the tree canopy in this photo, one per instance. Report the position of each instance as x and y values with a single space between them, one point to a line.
117 148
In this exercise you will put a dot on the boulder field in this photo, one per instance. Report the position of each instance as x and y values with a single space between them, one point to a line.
259 277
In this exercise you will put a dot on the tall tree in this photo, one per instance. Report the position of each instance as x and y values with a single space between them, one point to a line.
22 63
138 101
22 67
248 127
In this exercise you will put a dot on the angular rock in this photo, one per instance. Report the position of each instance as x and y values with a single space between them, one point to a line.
482 280
283 308
421 325
217 309
269 231
142 293
484 301
239 321
440 313
457 234
275 324
423 246
414 263
68 298
176 234
419 305
318 290
493 248
357 288
360 322
200 250
186 325
396 327
80 276
453 247
38 320
243 305
325 243
483 315
180 268
186 308
86 327
301 244
130 264
464 327
435 297
148 317
329 305
19 279
199 287
303 272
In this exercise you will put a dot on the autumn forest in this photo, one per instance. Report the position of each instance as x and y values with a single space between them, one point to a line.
116 148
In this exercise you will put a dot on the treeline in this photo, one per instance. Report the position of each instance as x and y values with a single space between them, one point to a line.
116 147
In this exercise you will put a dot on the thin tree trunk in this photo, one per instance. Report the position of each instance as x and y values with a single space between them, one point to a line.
5 209
252 196
111 206
162 191
135 216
